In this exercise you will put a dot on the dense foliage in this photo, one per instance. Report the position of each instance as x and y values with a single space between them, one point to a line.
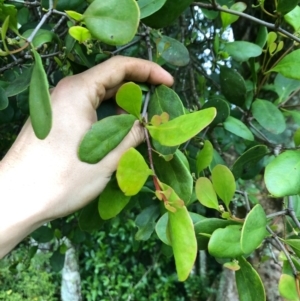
221 145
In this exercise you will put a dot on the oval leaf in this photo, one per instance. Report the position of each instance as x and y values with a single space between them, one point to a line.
233 86
224 183
293 18
282 175
132 172
182 128
39 99
283 6
289 65
242 51
206 193
148 7
183 241
287 287
161 229
246 275
254 229
268 116
111 201
225 243
104 136
238 128
129 98
114 22
205 156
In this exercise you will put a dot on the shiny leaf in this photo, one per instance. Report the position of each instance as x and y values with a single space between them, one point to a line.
80 34
206 193
148 7
283 6
238 128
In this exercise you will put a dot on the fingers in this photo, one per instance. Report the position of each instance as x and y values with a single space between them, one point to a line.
105 77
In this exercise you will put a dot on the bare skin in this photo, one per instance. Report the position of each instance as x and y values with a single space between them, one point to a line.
42 180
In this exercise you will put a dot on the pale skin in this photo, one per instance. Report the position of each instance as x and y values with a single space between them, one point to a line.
42 180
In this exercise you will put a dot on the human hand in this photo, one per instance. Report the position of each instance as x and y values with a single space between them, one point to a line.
44 179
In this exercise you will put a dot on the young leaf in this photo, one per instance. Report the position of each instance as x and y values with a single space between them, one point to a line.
233 86
282 175
227 18
296 137
205 156
164 99
80 34
113 22
224 183
162 230
268 116
145 221
225 243
39 99
289 65
246 275
111 201
206 193
104 136
238 128
183 241
148 7
182 128
132 172
287 287
129 98
254 229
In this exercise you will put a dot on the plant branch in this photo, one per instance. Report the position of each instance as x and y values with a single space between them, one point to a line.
278 213
246 16
291 212
126 46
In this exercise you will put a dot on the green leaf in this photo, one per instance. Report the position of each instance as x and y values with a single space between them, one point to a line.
164 99
268 116
3 33
63 5
3 99
222 107
296 137
248 159
182 128
282 175
74 15
42 37
111 201
295 115
233 86
43 234
129 98
242 51
206 193
172 51
224 183
80 34
57 261
145 221
246 275
89 219
294 244
104 136
39 99
238 128
225 243
284 87
254 229
205 156
208 226
289 65
20 83
287 288
283 6
113 22
132 172
148 7
11 11
227 18
162 230
170 11
184 243
175 174
293 18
